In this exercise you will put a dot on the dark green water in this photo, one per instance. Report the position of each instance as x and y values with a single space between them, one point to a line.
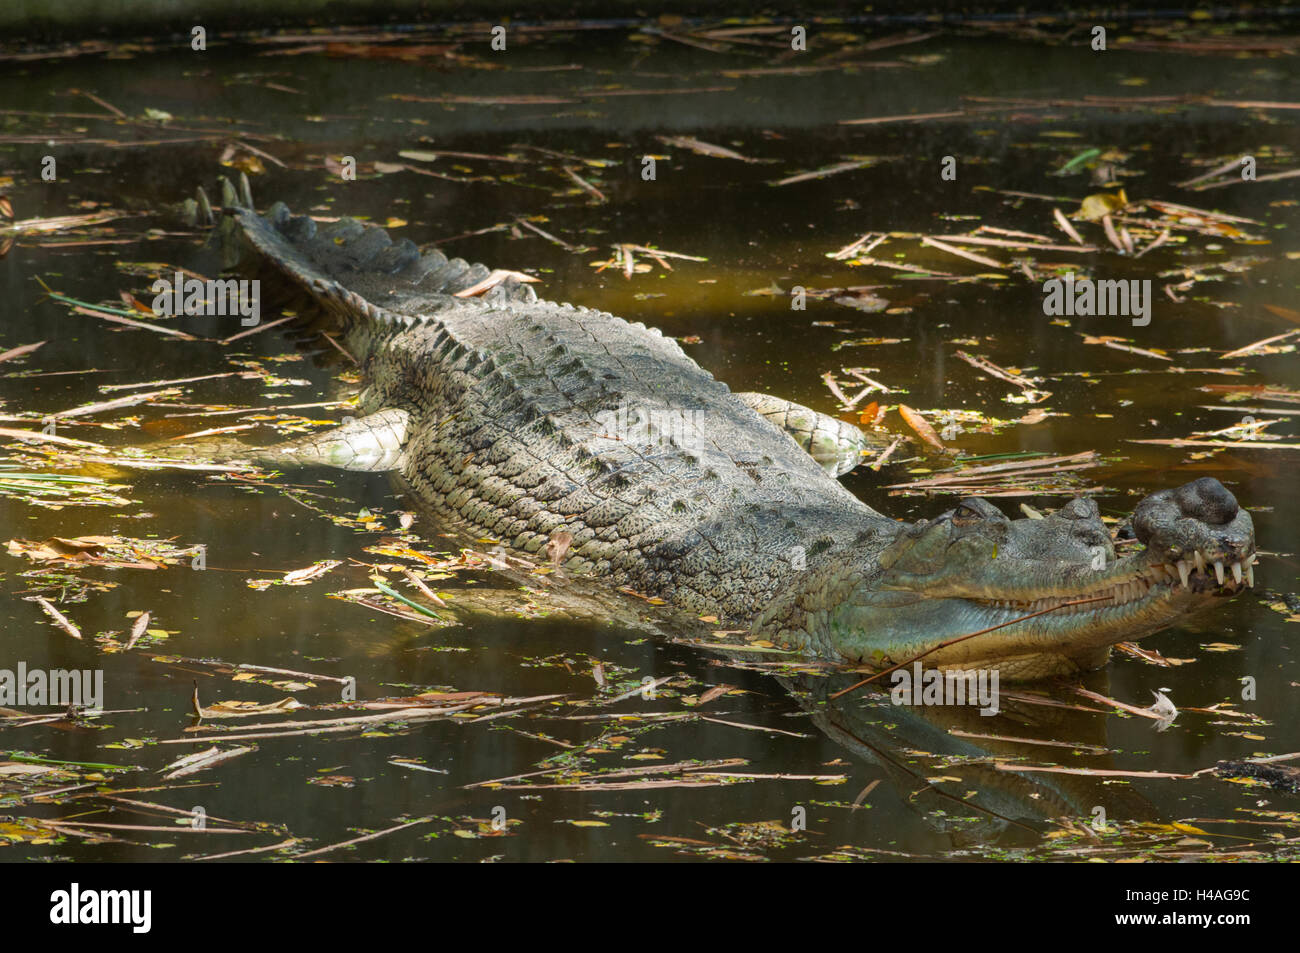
939 795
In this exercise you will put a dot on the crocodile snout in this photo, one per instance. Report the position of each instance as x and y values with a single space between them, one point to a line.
1206 500
1201 533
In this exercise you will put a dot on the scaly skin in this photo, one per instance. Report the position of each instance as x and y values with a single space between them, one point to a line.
972 569
524 418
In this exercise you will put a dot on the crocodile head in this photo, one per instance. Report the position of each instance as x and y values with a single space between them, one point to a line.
972 569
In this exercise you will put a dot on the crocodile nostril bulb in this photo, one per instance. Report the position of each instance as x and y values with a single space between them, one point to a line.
1208 500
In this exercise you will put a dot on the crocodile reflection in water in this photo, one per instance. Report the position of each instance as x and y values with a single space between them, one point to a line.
942 760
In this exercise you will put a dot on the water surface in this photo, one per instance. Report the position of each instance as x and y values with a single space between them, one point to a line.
875 780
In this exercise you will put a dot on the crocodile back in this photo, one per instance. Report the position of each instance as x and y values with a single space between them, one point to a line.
529 418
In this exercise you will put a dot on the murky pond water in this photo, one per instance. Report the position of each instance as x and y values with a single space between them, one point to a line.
874 780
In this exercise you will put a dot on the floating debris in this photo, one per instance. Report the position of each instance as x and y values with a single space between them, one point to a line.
702 148
1050 475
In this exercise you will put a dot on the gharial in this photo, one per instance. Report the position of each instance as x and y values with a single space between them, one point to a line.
524 418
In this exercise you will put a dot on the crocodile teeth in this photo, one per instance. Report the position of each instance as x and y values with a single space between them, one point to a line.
1250 575
1182 572
1236 573
1200 562
1218 570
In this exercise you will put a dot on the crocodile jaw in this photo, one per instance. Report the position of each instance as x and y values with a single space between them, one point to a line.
1031 597
1034 630
1140 581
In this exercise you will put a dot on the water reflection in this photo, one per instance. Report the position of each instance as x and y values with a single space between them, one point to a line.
943 759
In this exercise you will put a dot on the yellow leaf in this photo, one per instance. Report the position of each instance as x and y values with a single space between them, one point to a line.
1096 207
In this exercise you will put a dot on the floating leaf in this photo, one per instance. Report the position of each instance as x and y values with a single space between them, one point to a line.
1096 207
921 426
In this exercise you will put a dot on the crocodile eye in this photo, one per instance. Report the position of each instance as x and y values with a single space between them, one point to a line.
966 514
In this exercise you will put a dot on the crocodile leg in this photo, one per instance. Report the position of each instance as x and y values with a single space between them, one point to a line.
370 444
836 445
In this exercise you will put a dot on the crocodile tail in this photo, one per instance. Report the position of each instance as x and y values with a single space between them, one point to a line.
345 276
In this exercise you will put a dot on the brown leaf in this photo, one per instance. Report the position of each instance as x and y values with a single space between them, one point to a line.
241 709
300 577
62 621
496 277
92 550
712 693
137 630
19 351
558 545
132 302
80 550
1287 313
921 426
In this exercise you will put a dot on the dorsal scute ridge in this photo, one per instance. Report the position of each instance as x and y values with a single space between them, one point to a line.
347 264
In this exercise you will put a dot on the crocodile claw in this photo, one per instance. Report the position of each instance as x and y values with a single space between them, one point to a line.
204 207
228 197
